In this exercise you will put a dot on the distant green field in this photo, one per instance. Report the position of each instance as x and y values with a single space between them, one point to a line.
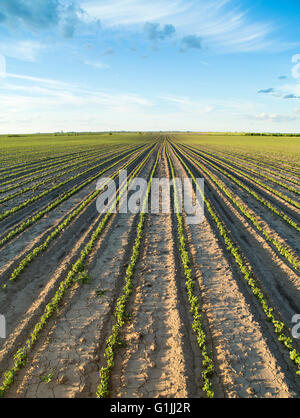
30 146
39 142
289 146
27 147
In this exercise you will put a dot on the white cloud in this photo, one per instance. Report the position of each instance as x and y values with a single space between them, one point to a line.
96 64
27 50
52 83
40 104
291 89
218 22
272 117
31 104
185 102
38 98
132 12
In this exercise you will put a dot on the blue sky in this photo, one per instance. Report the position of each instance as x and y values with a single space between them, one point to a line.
98 65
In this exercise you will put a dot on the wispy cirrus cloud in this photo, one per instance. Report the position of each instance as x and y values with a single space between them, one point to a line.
54 92
188 104
39 104
272 117
97 64
219 23
26 50
114 13
39 80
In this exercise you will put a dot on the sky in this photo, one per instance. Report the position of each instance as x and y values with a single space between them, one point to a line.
149 65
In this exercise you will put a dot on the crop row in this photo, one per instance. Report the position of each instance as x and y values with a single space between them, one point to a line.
257 166
31 176
238 164
195 307
57 186
30 161
275 161
263 185
71 167
61 227
268 159
266 203
293 261
120 311
31 220
38 168
52 159
270 163
231 248
53 306
16 183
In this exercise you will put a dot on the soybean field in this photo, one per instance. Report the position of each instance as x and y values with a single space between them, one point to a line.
146 305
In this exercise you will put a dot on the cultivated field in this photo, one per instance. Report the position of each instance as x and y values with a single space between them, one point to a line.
146 305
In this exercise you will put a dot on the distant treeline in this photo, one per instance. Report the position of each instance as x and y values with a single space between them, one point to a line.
65 134
270 134
92 133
